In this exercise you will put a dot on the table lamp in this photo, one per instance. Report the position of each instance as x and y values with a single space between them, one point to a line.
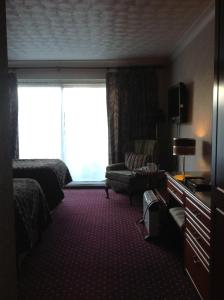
183 147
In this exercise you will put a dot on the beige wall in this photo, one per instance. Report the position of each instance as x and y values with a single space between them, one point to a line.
194 66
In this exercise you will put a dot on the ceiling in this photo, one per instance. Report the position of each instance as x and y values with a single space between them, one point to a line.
97 29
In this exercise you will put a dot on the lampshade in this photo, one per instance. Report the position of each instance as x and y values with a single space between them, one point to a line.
183 146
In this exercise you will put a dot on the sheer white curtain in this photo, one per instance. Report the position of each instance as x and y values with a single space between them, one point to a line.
85 131
66 122
39 122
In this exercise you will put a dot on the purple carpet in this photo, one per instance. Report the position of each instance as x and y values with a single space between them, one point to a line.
94 250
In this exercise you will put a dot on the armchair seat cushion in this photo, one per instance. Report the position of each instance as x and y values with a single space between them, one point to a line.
117 166
124 176
178 215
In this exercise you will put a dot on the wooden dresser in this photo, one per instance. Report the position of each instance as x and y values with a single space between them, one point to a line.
197 232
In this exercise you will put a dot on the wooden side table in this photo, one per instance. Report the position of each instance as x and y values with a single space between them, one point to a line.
145 180
151 180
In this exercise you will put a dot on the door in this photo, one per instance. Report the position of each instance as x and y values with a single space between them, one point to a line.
218 160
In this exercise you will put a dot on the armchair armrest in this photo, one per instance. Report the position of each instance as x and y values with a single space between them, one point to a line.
117 166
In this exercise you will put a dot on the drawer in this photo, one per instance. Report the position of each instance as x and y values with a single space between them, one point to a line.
175 192
205 233
198 214
196 270
203 258
200 240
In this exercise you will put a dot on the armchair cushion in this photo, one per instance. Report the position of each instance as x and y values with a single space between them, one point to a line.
135 161
123 176
117 166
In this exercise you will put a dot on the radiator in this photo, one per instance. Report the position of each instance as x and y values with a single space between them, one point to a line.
151 214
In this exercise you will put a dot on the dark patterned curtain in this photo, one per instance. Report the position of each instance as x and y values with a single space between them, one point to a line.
13 98
131 106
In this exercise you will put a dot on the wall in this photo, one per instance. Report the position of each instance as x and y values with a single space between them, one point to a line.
194 66
7 236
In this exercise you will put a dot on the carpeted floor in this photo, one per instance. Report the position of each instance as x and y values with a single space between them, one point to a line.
94 250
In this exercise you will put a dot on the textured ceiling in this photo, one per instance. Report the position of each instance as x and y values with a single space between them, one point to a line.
97 29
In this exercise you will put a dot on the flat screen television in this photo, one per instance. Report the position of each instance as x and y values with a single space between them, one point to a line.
177 103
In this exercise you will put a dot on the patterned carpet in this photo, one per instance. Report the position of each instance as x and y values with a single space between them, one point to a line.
94 250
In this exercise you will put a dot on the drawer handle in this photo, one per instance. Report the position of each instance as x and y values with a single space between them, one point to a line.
195 259
220 211
198 238
196 213
173 190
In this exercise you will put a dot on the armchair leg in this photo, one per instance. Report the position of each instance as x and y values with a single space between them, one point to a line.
107 192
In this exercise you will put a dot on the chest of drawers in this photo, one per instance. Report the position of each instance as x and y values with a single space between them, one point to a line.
197 234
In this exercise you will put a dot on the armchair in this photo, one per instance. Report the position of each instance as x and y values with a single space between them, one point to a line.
121 177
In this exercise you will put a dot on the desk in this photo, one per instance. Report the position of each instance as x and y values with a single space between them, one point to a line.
197 232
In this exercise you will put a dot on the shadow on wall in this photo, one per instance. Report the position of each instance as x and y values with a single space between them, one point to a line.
206 152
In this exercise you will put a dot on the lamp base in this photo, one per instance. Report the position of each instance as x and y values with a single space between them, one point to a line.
181 177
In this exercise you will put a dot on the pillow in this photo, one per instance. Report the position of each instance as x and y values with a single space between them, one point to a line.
134 161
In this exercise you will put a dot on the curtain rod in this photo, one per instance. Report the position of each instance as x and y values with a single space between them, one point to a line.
87 68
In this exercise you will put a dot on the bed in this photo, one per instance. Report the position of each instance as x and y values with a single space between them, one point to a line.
32 214
52 175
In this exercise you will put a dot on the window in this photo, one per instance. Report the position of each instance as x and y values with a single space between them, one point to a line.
85 131
39 122
66 122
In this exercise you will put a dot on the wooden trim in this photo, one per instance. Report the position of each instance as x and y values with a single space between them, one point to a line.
197 244
198 208
192 223
220 211
191 215
207 234
201 257
177 188
192 280
220 189
175 196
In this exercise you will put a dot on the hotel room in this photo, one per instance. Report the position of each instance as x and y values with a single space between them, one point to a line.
111 180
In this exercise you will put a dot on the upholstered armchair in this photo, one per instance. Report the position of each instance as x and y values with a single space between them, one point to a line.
122 177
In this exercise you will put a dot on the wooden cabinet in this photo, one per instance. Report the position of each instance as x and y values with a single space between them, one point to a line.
217 261
175 191
199 236
198 214
197 245
196 268
197 233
